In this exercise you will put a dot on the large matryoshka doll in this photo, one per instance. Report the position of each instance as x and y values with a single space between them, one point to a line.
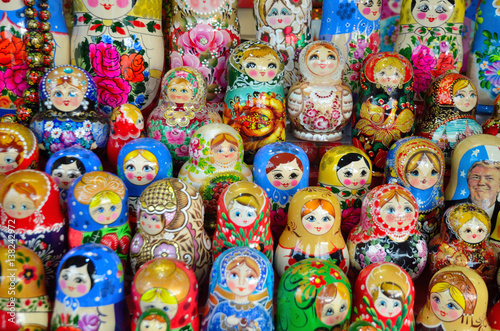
24 302
97 212
347 172
457 299
313 230
417 164
384 111
492 124
90 294
69 115
384 296
18 148
320 104
281 169
254 103
464 241
170 286
240 292
170 224
314 294
389 24
388 231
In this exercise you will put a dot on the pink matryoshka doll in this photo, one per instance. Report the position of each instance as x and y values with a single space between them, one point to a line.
492 124
169 285
384 296
18 148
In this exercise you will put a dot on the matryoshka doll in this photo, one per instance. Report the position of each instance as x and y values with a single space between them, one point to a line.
389 24
384 111
314 294
388 231
384 296
464 241
153 319
347 172
457 299
492 124
68 114
97 212
417 164
168 285
320 104
90 294
254 103
313 230
18 149
281 169
240 292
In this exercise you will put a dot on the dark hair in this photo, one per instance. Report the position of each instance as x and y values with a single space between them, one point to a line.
80 261
68 160
414 3
350 158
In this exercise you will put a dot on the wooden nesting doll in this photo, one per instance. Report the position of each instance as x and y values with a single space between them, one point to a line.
464 241
68 114
281 169
254 104
313 230
90 294
388 231
347 172
492 124
243 219
417 164
170 224
389 24
384 295
240 292
314 294
168 285
384 111
457 299
18 148
213 148
361 326
320 104
153 319
97 212
23 296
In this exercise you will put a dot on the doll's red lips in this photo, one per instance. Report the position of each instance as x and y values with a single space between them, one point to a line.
280 20
285 184
66 102
65 183
318 229
107 7
322 66
442 313
5 1
262 73
241 288
474 236
374 13
139 178
431 19
71 288
355 183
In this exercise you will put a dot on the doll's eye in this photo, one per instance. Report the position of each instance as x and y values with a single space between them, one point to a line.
480 231
313 57
79 280
233 275
72 94
272 65
113 208
468 231
249 214
331 57
473 95
23 207
130 167
220 150
407 210
343 307
383 303
100 209
348 173
70 175
414 173
293 175
274 12
363 173
368 3
440 9
326 219
238 214
9 159
251 65
311 218
65 277
423 8
12 206
436 299
232 150
460 95
58 94
396 304
147 168
173 90
184 90
391 210
165 308
278 176
285 12
329 312
434 172
452 306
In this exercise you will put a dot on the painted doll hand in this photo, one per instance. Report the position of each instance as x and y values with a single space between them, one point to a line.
93 146
41 146
233 320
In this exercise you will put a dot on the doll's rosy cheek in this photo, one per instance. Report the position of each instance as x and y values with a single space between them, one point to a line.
366 11
287 20
271 73
122 3
276 183
272 21
347 182
421 16
114 215
130 175
362 182
253 73
81 288
93 3
443 17
62 283
150 176
294 182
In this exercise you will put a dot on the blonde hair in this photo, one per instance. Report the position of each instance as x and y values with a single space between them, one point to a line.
100 197
258 51
415 159
390 290
127 111
454 292
220 138
461 84
23 188
390 61
179 80
143 152
161 293
312 205
247 200
245 260
398 192
328 293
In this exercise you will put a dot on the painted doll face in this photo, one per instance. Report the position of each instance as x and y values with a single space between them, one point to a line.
354 175
465 99
152 224
242 215
334 312
106 212
322 61
285 176
444 307
424 176
180 92
75 281
389 77
18 205
262 68
279 16
473 232
153 325
397 212
484 185
242 280
108 9
386 306
318 222
65 174
139 124
225 153
370 9
140 171
169 308
66 97
205 6
432 13
8 160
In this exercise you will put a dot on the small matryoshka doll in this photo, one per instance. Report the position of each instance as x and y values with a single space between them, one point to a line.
281 169
384 111
347 172
464 241
313 230
153 319
97 212
388 231
417 164
389 24
23 296
320 104
68 114
457 299
384 296
18 149
168 285
90 294
316 294
240 292
213 148
492 124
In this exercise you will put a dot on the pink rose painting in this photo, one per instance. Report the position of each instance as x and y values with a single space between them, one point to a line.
202 38
15 79
424 62
112 91
105 60
176 136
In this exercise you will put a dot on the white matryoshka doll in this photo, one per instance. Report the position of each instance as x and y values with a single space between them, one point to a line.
90 294
389 24
240 292
313 230
254 103
18 148
347 172
457 299
320 104
417 164
281 169
388 231
384 295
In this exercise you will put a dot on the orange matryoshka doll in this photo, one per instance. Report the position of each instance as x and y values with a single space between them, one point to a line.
18 148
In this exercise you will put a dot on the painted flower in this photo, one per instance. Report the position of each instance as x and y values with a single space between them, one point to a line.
176 59
317 265
421 80
359 53
355 66
28 274
80 133
220 72
105 60
423 60
176 136
421 249
87 125
68 138
15 79
444 47
350 218
496 4
55 133
311 113
492 73
12 50
157 135
89 322
132 67
165 250
376 253
374 42
203 37
484 65
346 11
445 62
362 44
112 91
4 100
279 220
317 281
48 126
181 74
136 245
335 114
320 123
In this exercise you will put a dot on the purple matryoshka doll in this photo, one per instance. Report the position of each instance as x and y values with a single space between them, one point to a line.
389 24
90 294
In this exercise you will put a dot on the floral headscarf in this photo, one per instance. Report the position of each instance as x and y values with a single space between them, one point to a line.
336 75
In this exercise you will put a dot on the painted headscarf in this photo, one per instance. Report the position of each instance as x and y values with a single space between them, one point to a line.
153 312
198 87
376 63
336 75
343 16
17 137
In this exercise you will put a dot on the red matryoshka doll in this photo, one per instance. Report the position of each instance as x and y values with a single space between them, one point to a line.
492 124
494 317
168 285
388 231
384 296
170 224
18 149
243 219
24 302
384 111
457 299
464 241
313 230
153 319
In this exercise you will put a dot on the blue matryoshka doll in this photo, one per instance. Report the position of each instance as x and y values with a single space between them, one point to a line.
89 292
